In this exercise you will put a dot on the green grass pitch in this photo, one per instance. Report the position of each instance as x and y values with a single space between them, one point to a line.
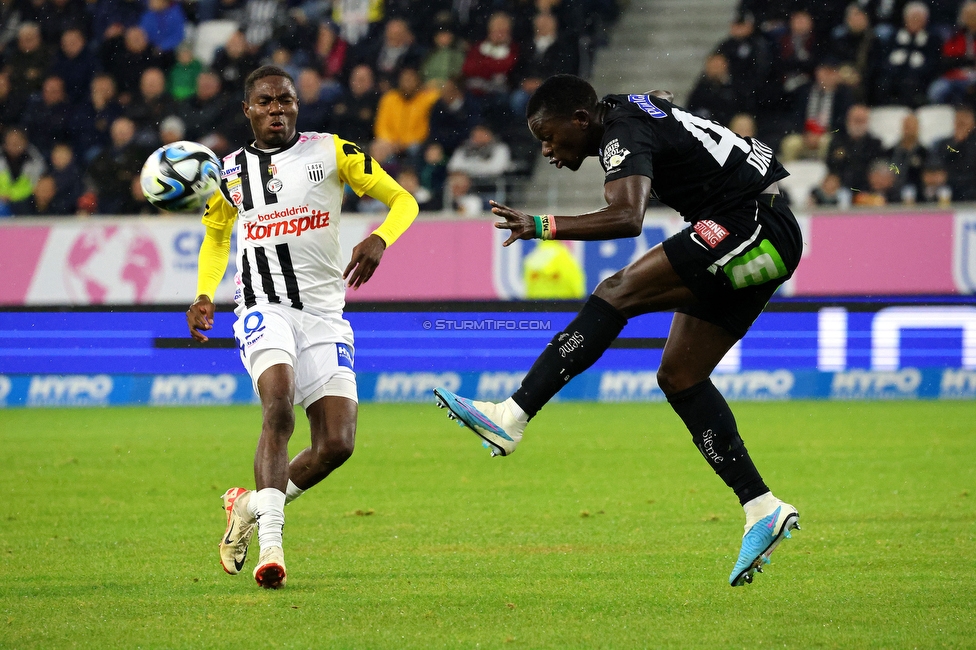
605 530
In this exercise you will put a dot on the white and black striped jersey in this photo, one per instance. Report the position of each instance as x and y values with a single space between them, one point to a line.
698 167
288 203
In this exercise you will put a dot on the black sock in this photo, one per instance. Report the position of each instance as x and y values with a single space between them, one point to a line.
709 418
569 353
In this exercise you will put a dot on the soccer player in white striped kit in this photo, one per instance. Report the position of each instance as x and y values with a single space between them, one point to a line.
285 192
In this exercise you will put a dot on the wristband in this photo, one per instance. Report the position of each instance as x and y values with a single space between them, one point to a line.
545 226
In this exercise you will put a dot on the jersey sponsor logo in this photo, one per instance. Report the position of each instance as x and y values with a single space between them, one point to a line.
281 214
614 155
275 185
344 355
257 232
234 182
230 171
236 196
644 103
710 232
315 171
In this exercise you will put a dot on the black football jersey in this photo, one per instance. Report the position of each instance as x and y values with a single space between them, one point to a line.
696 166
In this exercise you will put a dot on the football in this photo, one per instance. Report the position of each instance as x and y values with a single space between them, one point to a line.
181 176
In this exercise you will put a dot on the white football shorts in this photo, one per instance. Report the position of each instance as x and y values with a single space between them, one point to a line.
319 348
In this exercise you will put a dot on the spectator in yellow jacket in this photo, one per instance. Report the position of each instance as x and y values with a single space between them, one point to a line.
403 118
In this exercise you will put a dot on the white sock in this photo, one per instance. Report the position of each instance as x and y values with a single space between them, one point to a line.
292 492
269 509
516 410
752 504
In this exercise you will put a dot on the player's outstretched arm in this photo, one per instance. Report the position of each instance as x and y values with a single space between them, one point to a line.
623 217
200 317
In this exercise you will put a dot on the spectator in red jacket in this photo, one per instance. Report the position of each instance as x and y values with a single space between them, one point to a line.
958 61
490 62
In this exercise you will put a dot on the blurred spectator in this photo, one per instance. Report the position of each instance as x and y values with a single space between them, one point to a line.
284 59
713 96
95 117
748 56
911 61
482 157
219 9
27 60
164 24
126 57
433 173
260 18
64 15
315 110
329 54
150 106
829 193
233 62
171 130
48 116
853 149
453 116
208 108
113 169
470 18
181 81
463 201
795 56
445 59
403 118
489 63
10 19
354 112
110 18
357 18
67 179
387 56
408 180
881 189
855 46
958 62
958 155
39 203
744 125
821 110
21 165
812 144
545 54
935 183
138 203
75 64
10 106
908 157
550 272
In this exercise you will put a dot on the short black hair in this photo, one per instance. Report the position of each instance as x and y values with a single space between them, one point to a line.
261 73
561 95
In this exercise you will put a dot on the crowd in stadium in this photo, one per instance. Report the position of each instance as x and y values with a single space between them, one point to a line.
809 78
89 89
437 90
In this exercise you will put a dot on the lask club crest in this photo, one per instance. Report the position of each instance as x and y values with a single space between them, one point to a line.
315 171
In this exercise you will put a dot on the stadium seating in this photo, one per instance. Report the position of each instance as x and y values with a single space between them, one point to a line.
934 122
209 36
886 123
804 176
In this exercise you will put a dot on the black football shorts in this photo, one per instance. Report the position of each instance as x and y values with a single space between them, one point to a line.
734 263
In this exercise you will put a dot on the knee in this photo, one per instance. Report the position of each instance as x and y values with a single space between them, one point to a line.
335 449
673 380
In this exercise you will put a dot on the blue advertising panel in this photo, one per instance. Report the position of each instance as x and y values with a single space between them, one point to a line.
798 349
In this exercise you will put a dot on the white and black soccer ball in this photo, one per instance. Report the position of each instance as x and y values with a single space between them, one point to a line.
181 176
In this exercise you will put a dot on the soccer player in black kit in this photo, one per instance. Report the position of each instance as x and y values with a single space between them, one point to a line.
717 274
